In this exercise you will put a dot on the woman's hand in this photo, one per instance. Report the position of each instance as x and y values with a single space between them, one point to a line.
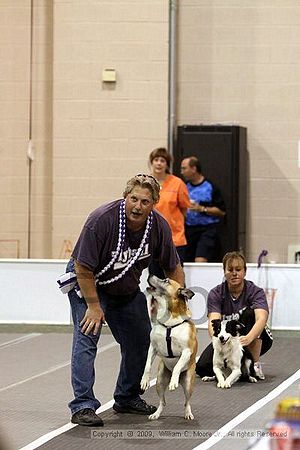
245 340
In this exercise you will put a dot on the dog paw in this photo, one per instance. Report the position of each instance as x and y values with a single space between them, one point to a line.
173 385
208 378
252 380
227 384
188 415
221 384
145 383
154 416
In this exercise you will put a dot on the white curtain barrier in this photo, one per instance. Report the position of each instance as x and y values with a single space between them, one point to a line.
29 291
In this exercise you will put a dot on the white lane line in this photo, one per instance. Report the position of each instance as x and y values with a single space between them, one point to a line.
47 437
205 445
222 432
19 340
53 369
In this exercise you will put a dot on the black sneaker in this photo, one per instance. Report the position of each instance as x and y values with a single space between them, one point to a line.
136 406
87 417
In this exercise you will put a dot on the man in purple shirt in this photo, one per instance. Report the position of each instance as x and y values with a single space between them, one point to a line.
237 298
116 244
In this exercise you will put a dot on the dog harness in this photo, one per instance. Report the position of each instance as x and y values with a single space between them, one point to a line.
169 338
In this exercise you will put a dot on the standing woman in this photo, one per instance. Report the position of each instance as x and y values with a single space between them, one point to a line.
173 204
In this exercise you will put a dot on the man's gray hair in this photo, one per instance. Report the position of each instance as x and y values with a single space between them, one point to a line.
144 181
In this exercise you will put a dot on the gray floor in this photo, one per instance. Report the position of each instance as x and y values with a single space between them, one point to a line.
35 389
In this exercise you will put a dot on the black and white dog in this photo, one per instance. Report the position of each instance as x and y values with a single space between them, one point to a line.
230 355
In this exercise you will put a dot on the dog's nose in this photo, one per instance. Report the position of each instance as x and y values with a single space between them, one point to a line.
221 338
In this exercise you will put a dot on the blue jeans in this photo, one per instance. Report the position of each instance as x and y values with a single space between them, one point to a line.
130 325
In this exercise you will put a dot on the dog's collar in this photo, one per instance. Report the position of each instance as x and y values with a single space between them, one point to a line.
172 326
169 338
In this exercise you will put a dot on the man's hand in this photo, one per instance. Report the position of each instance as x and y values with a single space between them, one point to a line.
194 206
94 315
177 275
92 320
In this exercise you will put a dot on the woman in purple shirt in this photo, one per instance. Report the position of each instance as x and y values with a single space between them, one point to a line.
237 298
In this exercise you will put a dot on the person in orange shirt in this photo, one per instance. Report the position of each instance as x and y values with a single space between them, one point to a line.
173 204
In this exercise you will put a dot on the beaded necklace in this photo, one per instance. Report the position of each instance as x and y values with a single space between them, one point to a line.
121 240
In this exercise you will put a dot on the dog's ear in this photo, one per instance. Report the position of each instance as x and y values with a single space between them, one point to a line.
185 294
216 324
216 321
234 327
239 325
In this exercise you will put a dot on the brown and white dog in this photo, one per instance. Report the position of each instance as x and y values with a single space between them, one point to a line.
174 339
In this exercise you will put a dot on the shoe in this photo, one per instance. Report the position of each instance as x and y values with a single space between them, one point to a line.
87 417
136 406
258 371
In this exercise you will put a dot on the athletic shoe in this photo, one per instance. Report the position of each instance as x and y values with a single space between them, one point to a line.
258 371
136 406
208 378
87 417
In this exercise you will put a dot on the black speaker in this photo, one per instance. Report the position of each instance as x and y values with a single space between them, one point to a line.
222 152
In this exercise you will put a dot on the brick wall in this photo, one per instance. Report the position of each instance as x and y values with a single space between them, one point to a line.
238 61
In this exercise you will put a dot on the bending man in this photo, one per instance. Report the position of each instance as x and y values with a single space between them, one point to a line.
115 245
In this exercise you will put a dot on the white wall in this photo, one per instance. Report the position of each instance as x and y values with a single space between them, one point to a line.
29 292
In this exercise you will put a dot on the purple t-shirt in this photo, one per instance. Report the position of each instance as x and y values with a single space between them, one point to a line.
98 242
219 300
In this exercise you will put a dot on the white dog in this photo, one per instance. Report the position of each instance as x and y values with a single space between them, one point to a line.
230 355
174 339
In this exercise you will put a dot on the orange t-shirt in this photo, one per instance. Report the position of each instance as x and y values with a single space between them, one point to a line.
173 198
